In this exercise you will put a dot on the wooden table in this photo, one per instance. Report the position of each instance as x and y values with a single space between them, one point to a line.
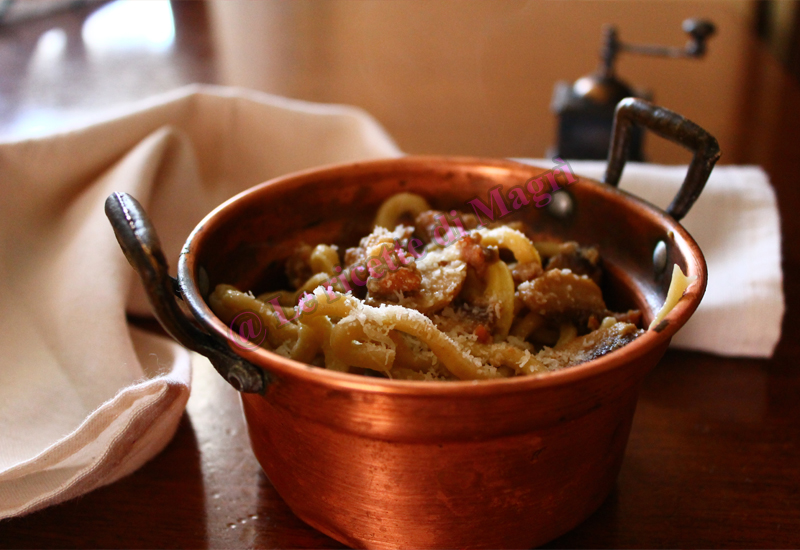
714 453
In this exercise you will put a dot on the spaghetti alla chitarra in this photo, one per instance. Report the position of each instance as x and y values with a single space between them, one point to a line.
435 296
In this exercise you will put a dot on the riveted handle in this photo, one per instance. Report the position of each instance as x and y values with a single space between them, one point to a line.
139 241
674 127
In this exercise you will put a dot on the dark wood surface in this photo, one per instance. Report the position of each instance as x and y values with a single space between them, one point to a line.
714 453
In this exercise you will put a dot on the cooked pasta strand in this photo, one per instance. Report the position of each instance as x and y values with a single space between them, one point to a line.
567 333
504 354
406 358
526 326
228 302
500 291
457 361
324 258
519 245
677 287
323 326
351 344
402 203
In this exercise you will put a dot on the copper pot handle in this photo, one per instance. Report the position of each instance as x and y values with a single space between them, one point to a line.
672 126
139 241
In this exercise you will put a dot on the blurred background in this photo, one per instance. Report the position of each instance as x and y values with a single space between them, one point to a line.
713 451
447 77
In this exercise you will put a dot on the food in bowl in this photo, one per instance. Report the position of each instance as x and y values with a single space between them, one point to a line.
378 463
430 295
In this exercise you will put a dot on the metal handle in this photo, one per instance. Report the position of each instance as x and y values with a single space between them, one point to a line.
699 31
674 127
139 241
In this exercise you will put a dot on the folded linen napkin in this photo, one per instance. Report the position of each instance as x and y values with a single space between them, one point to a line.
737 226
85 399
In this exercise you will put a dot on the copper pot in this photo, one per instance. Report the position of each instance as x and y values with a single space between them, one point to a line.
385 464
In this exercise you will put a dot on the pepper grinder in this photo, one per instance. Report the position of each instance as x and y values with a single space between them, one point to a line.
585 108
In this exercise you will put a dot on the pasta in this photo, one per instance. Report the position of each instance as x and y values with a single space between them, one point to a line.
430 295
677 286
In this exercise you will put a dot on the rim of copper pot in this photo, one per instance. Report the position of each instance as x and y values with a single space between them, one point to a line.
282 366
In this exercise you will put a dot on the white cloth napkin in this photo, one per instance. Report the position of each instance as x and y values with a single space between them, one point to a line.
735 222
85 399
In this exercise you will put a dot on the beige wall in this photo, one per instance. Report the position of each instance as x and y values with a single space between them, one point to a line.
475 77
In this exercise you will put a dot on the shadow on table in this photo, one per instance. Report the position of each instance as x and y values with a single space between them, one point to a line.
602 521
278 527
